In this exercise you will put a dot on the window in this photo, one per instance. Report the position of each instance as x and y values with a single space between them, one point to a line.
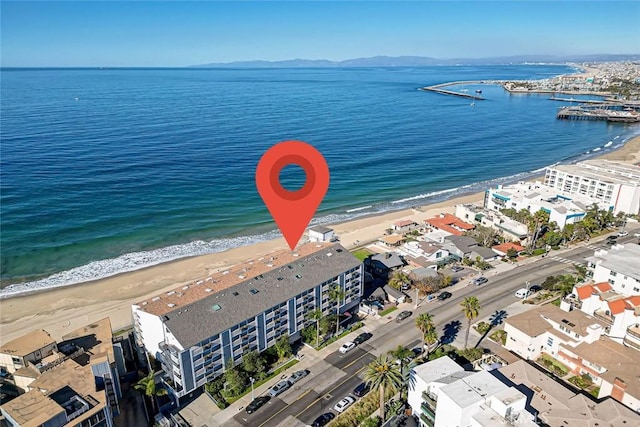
550 342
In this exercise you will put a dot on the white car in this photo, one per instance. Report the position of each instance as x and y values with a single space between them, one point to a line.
623 233
521 293
344 404
346 347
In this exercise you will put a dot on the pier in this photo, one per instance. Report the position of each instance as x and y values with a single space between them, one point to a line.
582 113
439 89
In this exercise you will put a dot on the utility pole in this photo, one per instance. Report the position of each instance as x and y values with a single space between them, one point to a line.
252 381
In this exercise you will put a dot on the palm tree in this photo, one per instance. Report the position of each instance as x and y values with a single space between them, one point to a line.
316 315
398 279
402 354
431 338
147 386
384 374
424 323
470 309
337 294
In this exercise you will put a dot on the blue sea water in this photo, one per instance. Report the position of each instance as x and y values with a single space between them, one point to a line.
105 171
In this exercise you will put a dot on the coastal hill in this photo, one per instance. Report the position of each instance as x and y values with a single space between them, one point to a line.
419 61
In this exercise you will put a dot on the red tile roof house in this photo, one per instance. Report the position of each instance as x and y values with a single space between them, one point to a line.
621 312
404 226
503 248
449 223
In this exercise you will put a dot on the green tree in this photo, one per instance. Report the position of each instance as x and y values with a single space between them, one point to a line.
383 374
431 338
424 323
372 422
147 386
326 323
398 279
535 224
337 294
254 364
512 253
470 310
283 347
316 315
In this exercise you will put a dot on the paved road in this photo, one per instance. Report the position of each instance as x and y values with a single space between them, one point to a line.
308 400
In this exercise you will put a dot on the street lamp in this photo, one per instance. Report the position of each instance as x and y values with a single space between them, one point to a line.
527 293
252 381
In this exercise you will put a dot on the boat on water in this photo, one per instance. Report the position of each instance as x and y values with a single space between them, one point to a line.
478 91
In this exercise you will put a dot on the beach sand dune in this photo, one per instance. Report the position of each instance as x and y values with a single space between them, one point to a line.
63 309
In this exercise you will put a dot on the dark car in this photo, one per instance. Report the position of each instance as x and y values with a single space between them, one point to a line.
444 295
403 315
323 419
257 404
456 268
361 390
362 338
535 288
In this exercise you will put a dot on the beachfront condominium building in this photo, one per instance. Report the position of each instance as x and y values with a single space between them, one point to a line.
443 394
199 328
610 184
76 384
28 349
534 196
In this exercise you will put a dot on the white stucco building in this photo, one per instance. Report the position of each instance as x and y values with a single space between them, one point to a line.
609 183
443 394
618 265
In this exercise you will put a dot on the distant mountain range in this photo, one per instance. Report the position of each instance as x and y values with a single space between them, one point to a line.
418 61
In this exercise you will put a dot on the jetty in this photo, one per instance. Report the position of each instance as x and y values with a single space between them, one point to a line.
439 89
583 113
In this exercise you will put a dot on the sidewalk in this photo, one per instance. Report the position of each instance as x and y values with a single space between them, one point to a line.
309 358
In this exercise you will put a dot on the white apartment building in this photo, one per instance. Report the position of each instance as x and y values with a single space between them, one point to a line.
577 340
196 329
609 183
511 229
443 394
534 196
618 265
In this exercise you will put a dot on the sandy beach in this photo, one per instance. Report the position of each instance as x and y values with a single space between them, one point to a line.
64 309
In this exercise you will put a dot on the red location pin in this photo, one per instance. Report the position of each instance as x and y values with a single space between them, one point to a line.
292 210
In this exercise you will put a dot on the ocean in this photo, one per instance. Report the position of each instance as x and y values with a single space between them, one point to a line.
109 170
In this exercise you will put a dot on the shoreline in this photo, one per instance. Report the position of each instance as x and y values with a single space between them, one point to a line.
61 309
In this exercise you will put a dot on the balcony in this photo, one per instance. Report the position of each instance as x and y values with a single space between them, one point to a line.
634 331
429 400
604 315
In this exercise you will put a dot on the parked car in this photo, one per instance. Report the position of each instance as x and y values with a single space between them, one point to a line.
521 293
280 388
406 286
256 404
298 375
623 233
535 288
361 390
346 347
444 295
456 268
480 280
362 338
403 315
344 404
323 419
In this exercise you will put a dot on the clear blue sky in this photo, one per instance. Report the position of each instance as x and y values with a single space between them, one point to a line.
186 33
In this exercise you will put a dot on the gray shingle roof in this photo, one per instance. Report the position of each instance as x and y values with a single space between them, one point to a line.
198 321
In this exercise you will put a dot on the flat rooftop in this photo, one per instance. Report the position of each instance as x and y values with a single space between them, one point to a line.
206 308
473 389
27 343
558 406
617 259
61 382
603 170
96 337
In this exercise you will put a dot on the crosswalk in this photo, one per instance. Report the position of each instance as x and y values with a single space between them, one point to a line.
566 260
